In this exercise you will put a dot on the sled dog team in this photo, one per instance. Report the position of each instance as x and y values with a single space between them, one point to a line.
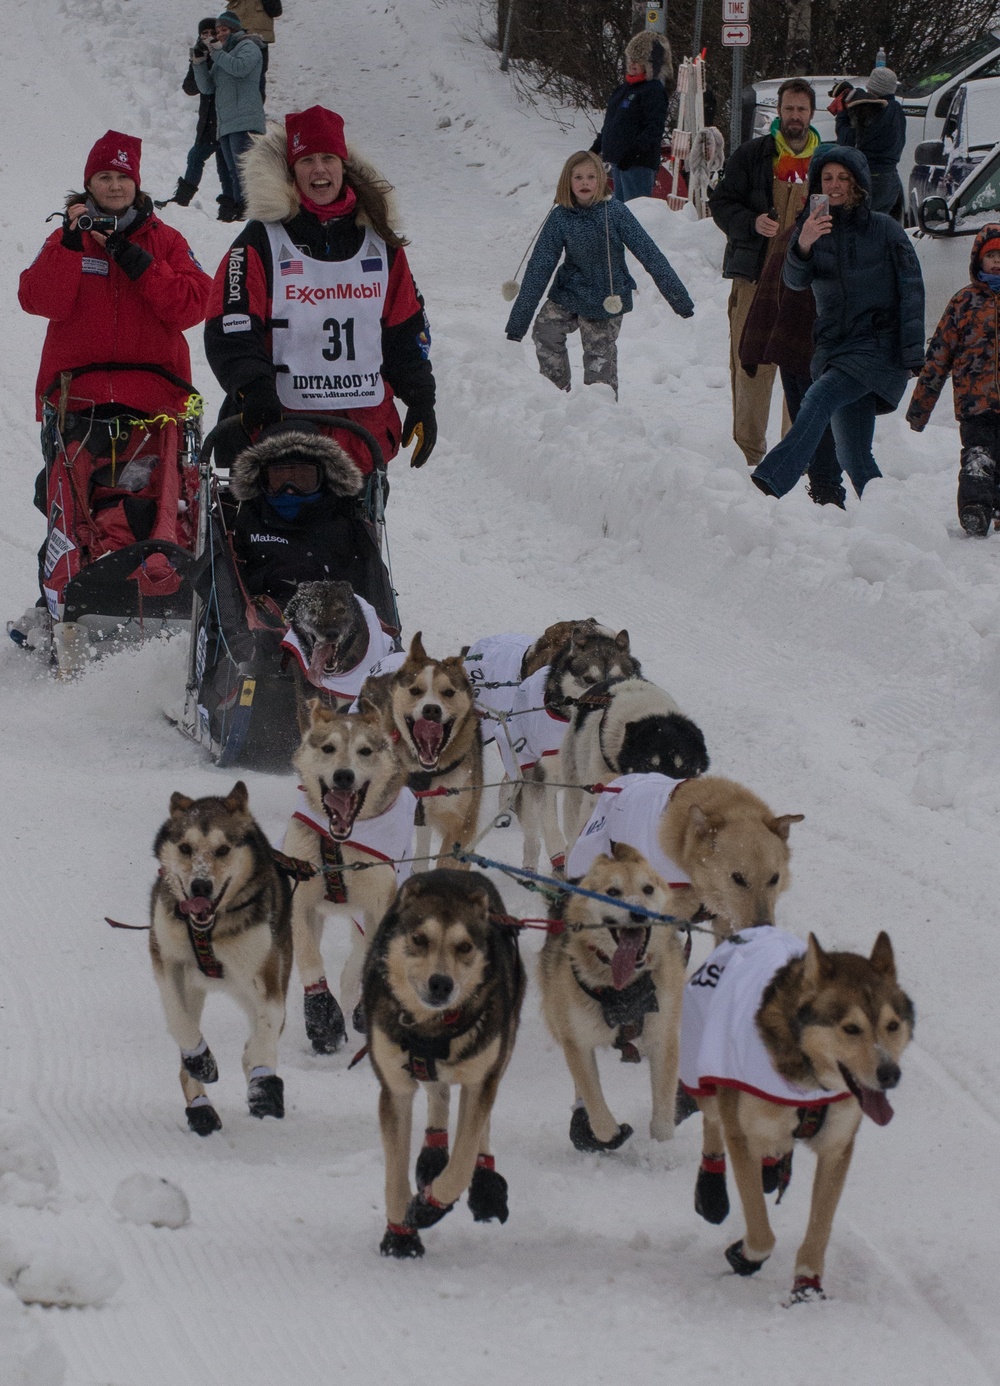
773 1039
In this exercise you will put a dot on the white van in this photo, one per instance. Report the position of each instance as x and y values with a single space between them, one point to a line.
947 228
971 129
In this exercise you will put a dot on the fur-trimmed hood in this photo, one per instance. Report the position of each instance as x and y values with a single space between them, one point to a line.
269 188
343 477
653 51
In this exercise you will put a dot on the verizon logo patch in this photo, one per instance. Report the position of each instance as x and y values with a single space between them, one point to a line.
235 322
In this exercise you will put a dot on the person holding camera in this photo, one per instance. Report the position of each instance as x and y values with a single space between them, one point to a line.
206 138
234 77
117 285
869 332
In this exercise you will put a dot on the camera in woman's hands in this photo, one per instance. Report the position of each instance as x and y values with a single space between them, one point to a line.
100 222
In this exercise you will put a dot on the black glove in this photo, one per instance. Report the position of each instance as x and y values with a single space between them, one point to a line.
259 404
421 424
72 238
127 255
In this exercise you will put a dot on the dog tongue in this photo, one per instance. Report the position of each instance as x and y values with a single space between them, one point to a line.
339 804
876 1105
427 737
321 656
198 908
623 962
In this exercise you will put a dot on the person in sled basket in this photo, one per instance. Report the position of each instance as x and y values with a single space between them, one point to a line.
298 519
117 285
314 309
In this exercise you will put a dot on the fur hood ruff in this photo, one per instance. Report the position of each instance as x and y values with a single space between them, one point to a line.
642 48
270 192
343 478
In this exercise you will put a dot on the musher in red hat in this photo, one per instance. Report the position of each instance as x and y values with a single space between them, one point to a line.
314 309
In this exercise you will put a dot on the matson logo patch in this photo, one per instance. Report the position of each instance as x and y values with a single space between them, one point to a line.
302 293
234 273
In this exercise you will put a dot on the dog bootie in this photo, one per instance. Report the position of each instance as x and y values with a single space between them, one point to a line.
583 1138
684 1105
776 1174
203 1120
266 1095
711 1198
402 1242
325 1026
741 1264
433 1156
425 1210
805 1290
358 1019
488 1192
201 1065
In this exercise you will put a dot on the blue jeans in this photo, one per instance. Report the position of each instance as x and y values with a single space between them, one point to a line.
824 469
198 157
633 182
848 406
232 147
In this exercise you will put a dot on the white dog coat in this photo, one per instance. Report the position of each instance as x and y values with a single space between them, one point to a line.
388 837
347 686
496 659
535 731
629 811
720 1043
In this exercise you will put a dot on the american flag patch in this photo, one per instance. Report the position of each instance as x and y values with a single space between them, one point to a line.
290 266
371 266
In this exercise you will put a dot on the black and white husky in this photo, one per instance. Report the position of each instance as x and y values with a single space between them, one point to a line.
629 727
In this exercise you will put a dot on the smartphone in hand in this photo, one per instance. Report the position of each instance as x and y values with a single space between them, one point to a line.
819 205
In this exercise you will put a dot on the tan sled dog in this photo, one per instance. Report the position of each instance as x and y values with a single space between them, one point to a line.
428 707
220 922
781 1042
443 987
618 985
353 809
733 848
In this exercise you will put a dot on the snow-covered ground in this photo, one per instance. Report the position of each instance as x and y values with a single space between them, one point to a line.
845 666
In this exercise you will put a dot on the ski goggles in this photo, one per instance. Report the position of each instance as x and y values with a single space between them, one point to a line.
291 479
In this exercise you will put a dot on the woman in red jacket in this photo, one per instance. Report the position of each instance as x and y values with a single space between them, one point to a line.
124 297
119 296
314 308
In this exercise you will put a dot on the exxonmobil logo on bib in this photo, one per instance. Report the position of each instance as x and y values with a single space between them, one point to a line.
304 293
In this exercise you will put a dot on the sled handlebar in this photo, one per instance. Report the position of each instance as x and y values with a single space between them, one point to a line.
334 421
138 367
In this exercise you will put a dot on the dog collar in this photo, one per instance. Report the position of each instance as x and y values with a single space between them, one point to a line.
624 1011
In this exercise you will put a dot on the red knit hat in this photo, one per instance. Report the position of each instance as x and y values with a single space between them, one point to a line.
315 131
114 152
992 244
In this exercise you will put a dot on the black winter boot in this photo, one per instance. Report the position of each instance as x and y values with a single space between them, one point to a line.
184 193
976 484
827 495
228 209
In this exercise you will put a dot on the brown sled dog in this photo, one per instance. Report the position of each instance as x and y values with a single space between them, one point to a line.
618 985
354 810
427 706
833 1022
443 987
221 922
734 849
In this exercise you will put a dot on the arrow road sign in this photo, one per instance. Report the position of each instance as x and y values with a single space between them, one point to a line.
735 35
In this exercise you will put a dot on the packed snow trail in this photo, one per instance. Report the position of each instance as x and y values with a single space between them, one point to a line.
844 666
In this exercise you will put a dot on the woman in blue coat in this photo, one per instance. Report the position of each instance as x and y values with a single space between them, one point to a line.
592 288
869 333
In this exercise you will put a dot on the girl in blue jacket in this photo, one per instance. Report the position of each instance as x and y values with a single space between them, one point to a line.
592 287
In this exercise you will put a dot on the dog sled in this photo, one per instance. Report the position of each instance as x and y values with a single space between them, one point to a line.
240 696
120 492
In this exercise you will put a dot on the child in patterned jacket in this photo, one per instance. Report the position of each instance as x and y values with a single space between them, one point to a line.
965 345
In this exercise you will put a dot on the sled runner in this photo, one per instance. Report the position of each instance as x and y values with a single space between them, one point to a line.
240 699
120 493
